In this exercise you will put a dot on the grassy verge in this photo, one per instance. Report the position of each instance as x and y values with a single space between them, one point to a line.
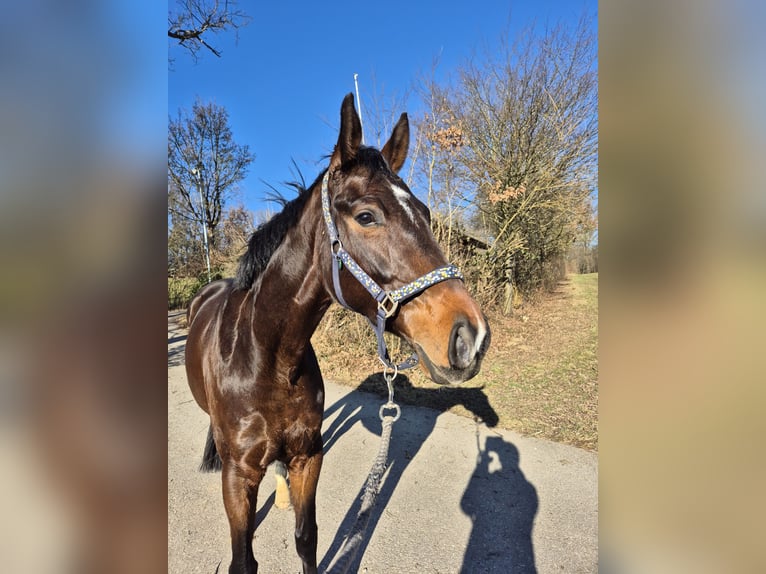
540 377
544 373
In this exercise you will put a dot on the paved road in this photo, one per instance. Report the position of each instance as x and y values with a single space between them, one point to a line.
458 497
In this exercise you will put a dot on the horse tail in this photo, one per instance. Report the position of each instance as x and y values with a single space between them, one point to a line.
211 460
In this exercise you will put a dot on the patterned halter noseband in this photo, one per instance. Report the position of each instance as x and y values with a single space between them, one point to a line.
388 301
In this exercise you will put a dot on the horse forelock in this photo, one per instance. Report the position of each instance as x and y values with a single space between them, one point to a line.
370 159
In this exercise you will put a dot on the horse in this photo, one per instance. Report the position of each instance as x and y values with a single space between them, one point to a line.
357 236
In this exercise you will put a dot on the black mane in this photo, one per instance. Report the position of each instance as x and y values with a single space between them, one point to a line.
268 237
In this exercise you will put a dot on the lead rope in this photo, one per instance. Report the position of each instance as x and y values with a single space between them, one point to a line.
354 538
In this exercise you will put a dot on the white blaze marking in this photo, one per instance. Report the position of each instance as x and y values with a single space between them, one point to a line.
404 199
480 336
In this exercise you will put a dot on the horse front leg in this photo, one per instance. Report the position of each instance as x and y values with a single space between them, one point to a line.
239 499
304 475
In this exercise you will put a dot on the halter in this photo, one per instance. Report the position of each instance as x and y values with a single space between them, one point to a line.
388 301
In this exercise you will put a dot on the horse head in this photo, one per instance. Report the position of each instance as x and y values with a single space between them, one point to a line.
386 230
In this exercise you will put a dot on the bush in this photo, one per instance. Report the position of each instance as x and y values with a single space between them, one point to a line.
181 290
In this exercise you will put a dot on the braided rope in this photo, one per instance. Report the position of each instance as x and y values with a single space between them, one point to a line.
355 537
350 548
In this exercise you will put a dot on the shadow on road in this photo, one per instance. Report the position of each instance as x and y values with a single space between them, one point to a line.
176 334
501 503
176 356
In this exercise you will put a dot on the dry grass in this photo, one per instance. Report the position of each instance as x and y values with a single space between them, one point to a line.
543 373
540 377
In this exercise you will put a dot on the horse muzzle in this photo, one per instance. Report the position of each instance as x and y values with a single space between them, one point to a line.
467 346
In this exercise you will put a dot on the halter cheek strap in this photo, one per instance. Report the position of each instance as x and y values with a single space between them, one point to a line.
388 301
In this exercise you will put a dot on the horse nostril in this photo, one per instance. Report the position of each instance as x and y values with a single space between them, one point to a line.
461 348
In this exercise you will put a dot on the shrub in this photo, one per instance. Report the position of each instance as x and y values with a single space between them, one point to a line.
182 289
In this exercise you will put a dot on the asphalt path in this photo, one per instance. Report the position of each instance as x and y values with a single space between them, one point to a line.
458 497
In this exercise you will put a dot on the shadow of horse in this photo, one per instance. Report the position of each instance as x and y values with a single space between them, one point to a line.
501 503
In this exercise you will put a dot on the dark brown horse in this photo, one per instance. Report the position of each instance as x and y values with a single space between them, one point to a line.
249 361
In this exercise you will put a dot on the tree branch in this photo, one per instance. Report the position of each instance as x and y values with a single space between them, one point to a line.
193 18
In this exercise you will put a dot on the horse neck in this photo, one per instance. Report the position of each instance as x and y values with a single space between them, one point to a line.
292 298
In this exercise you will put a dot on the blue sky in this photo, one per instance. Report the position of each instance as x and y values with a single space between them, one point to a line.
282 82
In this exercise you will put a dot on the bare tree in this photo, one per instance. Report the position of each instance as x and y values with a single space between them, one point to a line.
381 110
237 227
438 170
529 116
204 166
193 21
185 252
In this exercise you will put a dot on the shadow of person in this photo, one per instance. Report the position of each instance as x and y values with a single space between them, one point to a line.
404 446
502 505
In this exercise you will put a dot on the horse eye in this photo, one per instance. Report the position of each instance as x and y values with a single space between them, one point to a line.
365 219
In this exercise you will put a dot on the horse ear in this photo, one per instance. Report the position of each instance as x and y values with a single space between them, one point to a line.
350 137
395 150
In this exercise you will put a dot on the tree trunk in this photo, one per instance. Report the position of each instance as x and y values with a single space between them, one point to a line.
508 299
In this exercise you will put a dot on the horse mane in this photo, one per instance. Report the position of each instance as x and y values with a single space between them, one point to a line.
269 236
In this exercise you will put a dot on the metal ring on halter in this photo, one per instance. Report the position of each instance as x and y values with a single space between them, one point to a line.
333 243
389 375
393 406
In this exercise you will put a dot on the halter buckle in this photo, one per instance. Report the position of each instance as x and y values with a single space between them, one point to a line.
387 306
